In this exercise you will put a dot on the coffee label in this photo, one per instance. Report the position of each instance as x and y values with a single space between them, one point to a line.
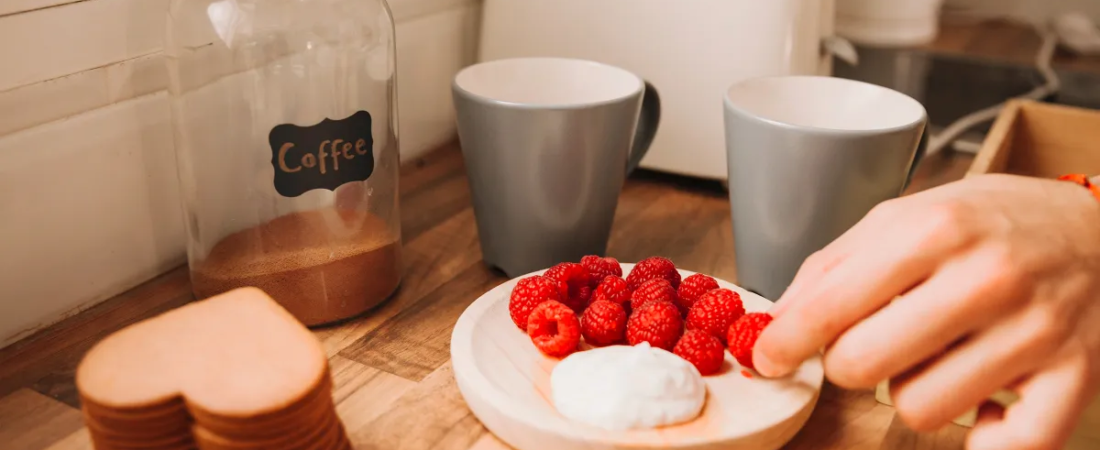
323 156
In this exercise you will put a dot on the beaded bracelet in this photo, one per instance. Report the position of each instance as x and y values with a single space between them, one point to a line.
1083 180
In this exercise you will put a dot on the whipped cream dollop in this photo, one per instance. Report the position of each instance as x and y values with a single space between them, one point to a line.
627 387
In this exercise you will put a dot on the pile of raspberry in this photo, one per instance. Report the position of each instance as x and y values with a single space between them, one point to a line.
693 318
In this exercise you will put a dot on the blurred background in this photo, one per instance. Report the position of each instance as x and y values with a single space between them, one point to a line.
88 187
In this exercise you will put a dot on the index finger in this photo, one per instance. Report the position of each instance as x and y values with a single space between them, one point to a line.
853 290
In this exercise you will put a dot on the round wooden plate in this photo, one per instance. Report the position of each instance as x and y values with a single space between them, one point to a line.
506 382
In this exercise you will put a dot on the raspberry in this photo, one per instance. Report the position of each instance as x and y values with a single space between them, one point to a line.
554 329
584 295
576 277
529 293
613 289
599 268
691 288
715 311
657 323
655 290
742 336
650 268
702 350
604 323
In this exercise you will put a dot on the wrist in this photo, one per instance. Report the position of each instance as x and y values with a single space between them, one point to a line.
1085 182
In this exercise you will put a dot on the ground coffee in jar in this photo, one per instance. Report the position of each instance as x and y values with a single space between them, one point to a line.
316 274
284 116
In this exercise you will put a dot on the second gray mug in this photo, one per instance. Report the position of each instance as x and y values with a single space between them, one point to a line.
808 157
548 143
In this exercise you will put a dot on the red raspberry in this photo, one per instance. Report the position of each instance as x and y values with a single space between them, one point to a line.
554 329
585 295
613 289
702 350
715 311
650 268
742 336
599 268
531 292
691 288
655 290
657 323
576 277
604 323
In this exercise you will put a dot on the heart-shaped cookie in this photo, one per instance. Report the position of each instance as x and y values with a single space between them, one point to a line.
232 371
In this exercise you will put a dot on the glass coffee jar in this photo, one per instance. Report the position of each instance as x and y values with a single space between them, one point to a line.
285 124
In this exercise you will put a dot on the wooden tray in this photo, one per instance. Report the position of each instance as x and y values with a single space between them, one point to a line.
506 383
1041 140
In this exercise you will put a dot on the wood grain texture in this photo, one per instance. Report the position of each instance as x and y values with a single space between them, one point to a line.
430 416
79 440
363 393
685 218
489 442
433 188
899 437
845 420
430 260
689 224
30 420
417 341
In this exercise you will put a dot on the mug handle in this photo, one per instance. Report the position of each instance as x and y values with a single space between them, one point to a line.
922 149
647 127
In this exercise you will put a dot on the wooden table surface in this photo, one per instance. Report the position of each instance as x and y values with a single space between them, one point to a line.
394 385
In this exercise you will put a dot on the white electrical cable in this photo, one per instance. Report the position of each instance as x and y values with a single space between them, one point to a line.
1050 86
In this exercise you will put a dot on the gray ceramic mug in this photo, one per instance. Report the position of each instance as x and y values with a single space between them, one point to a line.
807 158
548 143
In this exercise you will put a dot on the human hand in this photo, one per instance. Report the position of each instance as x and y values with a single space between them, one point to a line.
997 286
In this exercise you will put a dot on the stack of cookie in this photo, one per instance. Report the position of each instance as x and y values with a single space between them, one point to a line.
235 371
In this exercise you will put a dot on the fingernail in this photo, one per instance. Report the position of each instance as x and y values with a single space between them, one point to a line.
765 366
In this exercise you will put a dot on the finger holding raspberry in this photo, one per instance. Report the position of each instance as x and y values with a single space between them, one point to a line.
743 334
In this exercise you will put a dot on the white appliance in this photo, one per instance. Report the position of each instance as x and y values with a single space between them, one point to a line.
690 51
